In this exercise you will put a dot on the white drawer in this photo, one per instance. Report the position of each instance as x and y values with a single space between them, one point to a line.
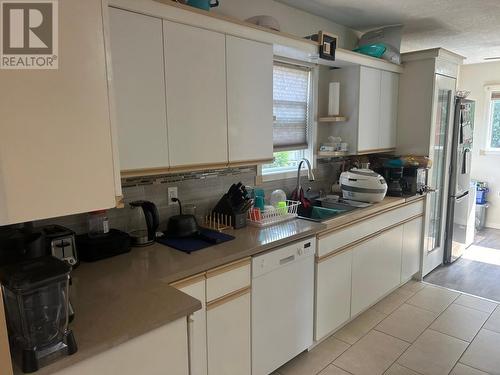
228 278
355 232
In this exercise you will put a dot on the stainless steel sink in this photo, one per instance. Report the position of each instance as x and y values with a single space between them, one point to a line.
326 208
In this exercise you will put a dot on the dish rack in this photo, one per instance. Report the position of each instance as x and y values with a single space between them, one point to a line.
274 215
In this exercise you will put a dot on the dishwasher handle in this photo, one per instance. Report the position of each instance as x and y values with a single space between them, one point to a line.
286 260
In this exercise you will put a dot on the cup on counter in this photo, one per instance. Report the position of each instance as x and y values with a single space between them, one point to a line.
259 202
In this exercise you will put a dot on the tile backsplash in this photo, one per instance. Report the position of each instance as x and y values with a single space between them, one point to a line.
202 188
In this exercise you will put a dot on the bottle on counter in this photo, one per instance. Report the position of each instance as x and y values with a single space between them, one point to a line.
98 223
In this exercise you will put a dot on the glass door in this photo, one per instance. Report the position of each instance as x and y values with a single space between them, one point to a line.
438 179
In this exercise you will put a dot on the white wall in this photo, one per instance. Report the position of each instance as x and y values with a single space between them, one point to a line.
475 77
291 20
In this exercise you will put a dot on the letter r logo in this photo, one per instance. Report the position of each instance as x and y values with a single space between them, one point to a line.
27 27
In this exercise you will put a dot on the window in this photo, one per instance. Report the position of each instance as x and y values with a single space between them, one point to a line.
291 107
494 122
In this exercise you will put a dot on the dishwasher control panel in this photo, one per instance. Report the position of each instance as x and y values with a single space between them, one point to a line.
280 257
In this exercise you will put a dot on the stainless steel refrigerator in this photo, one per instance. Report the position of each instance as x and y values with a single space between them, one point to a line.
461 197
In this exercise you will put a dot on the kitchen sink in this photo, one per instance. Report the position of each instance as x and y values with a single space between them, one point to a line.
325 208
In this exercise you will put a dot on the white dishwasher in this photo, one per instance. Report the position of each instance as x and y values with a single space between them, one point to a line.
282 305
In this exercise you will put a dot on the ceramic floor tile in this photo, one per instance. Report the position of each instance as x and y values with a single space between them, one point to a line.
461 369
333 370
360 326
476 303
493 322
392 301
371 355
433 299
433 353
407 322
315 360
412 286
484 352
397 369
460 322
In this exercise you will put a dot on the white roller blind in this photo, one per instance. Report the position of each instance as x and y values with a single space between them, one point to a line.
291 85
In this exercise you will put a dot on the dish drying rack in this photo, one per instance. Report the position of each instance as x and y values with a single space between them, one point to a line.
274 215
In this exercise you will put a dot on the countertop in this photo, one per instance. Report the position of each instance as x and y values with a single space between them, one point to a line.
126 296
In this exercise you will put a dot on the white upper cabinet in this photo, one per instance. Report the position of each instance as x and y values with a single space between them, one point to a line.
389 91
56 151
369 109
369 100
195 66
139 88
249 99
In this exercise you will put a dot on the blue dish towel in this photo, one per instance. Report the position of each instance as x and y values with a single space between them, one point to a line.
189 245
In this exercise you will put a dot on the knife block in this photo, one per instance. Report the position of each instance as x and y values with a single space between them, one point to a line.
224 207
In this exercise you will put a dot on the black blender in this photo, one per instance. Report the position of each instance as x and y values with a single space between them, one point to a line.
36 300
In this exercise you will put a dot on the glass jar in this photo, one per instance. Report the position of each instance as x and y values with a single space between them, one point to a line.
98 224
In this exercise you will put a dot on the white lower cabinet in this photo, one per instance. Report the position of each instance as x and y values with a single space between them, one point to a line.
159 352
197 325
376 268
412 248
228 335
333 293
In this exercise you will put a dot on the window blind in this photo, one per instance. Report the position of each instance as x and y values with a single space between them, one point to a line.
495 95
290 106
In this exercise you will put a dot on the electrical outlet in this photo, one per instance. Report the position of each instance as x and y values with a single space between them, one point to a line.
172 193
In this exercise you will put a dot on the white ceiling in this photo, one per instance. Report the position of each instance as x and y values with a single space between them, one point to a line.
468 27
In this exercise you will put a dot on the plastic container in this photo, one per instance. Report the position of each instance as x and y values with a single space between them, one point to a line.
481 216
98 224
481 195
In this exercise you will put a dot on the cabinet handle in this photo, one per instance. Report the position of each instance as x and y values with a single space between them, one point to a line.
286 260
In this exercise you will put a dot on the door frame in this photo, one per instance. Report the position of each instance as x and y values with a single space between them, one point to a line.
434 258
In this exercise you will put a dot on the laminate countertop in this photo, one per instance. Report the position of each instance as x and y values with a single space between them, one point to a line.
123 297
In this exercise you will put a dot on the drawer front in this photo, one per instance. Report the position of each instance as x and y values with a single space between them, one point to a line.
228 279
367 227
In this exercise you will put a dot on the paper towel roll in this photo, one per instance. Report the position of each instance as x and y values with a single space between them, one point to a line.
333 99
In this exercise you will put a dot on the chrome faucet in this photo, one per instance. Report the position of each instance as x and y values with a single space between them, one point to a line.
310 174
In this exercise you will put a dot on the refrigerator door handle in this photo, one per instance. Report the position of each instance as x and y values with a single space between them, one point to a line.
461 197
465 164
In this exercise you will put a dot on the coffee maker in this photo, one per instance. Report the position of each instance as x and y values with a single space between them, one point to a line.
36 301
394 178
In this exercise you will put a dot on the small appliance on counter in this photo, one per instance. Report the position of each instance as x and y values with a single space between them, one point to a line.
394 178
37 307
363 185
144 222
415 180
91 249
20 243
60 243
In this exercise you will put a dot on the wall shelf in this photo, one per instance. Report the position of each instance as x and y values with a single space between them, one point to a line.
329 119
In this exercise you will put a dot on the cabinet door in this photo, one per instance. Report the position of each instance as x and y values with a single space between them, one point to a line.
376 269
228 336
369 109
249 99
139 89
388 109
56 152
195 66
197 328
159 352
333 293
412 248
5 360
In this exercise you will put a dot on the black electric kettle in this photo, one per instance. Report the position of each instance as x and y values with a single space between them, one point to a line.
144 223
